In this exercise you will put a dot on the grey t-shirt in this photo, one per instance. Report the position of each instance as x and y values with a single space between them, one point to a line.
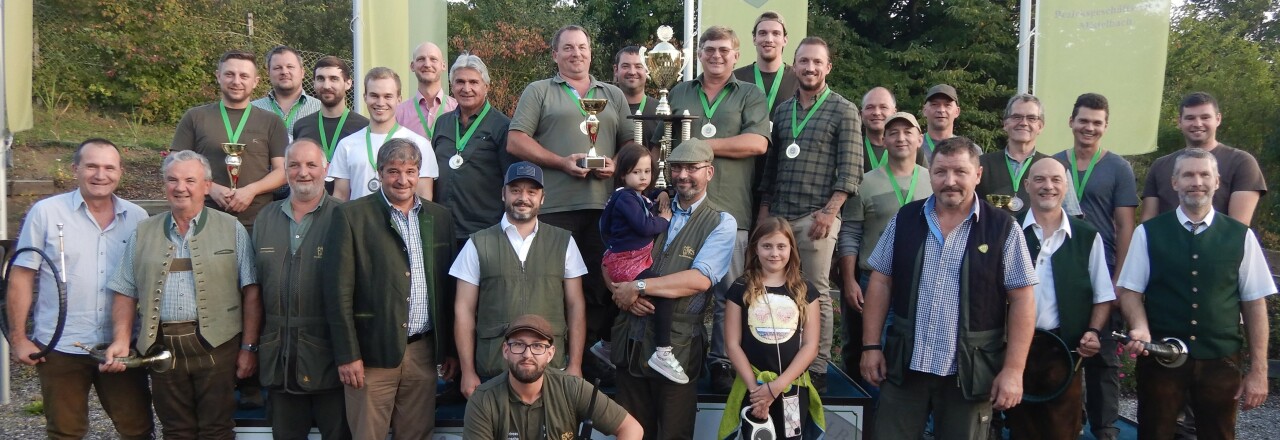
1237 169
1112 185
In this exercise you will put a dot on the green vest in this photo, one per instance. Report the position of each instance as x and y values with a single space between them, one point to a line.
509 289
295 352
1193 293
215 269
633 335
1072 285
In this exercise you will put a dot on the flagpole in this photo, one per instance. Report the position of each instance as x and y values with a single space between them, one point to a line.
1024 46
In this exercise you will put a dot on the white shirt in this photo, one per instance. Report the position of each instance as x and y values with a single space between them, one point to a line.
351 159
1255 277
467 266
1046 294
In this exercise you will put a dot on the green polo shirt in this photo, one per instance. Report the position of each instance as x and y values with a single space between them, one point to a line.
552 116
561 407
745 109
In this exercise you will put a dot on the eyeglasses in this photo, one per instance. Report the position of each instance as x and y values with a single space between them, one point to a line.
724 51
681 168
1031 119
536 348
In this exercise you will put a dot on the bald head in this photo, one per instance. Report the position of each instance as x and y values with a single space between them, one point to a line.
877 105
427 64
1047 185
305 168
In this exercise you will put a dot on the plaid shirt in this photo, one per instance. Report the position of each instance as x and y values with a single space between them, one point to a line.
830 157
419 317
938 306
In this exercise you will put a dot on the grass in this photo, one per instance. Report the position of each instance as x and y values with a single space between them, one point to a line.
69 125
35 408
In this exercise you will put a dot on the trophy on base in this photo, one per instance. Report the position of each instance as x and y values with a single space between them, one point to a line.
593 107
1000 201
233 161
665 63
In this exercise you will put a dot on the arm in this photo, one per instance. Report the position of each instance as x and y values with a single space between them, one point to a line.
123 309
1242 204
524 147
21 286
739 147
464 335
342 189
339 288
1104 298
733 345
825 217
1253 389
1123 218
1149 207
247 362
873 316
640 219
630 429
238 200
1006 391
575 309
1135 314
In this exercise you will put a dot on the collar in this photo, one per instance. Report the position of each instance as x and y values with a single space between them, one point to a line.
287 206
929 206
1064 226
557 79
733 82
417 201
675 207
504 225
1029 156
197 223
271 96
439 98
1208 218
77 201
780 70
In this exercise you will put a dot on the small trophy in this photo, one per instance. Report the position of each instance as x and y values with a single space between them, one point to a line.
233 161
593 106
665 62
1000 200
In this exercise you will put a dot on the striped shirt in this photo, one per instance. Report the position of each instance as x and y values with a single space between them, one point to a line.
407 227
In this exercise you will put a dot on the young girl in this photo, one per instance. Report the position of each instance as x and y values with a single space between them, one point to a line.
629 226
771 330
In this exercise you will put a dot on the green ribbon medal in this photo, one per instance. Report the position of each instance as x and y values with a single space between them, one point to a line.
1081 181
708 129
576 99
234 137
368 143
871 154
773 90
455 162
324 140
794 149
897 191
1017 177
929 140
288 120
429 129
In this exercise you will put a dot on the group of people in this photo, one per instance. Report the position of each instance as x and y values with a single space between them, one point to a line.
439 238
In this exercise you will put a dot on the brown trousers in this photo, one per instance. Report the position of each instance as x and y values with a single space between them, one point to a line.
293 415
666 410
196 398
401 398
64 383
1210 384
1057 419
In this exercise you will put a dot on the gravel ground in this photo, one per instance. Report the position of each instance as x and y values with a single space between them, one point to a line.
1260 423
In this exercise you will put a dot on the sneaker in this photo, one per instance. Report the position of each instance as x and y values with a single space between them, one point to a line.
666 364
601 350
722 377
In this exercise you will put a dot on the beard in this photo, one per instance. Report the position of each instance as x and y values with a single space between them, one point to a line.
526 376
1191 201
522 216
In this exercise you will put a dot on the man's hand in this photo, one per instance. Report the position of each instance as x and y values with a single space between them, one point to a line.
1253 389
1089 345
664 205
625 294
352 374
117 349
22 349
1006 390
872 366
220 195
569 165
246 364
449 369
642 307
606 172
238 200
821 225
1137 338
469 383
853 295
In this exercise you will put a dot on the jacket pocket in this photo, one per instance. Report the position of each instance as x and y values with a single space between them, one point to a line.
270 360
488 354
979 365
316 368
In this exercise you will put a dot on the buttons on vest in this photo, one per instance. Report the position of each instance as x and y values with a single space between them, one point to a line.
1195 306
1195 272
1195 256
1193 322
1195 289
1193 337
405 325
406 273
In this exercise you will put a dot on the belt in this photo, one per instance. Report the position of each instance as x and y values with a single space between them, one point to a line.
417 337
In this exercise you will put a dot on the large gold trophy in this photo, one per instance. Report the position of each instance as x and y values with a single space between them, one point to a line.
593 107
233 161
665 63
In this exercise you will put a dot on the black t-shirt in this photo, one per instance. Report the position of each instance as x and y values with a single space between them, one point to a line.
308 127
771 329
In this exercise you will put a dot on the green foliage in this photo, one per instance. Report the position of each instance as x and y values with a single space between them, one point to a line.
35 408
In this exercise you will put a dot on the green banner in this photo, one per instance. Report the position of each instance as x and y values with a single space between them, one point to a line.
1115 48
740 15
18 33
391 31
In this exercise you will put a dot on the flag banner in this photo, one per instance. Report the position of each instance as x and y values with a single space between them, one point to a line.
392 29
18 34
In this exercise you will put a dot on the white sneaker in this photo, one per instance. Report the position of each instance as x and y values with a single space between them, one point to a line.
601 350
666 364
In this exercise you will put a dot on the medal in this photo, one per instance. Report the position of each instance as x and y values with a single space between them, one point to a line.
374 184
793 150
708 130
576 100
455 162
583 127
1015 204
709 109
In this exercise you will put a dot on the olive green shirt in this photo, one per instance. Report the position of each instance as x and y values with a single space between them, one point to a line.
552 116
557 412
203 131
876 204
745 109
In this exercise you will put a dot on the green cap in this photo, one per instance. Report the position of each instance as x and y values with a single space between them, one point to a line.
693 150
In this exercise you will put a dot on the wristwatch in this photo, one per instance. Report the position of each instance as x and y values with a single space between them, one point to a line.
252 348
640 285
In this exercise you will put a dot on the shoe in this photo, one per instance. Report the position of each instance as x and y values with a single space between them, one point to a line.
722 377
593 369
819 382
602 351
666 364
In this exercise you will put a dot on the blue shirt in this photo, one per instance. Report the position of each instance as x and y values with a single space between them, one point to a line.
716 252
92 255
938 305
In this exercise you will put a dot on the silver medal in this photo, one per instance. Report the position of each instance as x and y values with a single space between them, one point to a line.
374 184
793 150
455 162
708 130
1015 203
583 127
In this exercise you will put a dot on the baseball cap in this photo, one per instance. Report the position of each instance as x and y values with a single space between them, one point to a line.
942 89
524 170
904 116
692 151
532 323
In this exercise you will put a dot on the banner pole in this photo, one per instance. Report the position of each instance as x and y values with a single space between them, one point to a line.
1024 47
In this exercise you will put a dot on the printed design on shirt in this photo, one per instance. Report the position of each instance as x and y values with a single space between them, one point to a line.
773 319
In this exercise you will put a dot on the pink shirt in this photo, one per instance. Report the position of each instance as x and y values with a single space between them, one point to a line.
407 117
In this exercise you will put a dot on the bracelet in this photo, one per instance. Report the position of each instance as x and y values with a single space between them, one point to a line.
766 384
1095 332
872 347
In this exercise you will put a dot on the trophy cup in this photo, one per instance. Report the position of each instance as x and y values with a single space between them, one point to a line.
1000 200
593 106
665 63
160 361
233 161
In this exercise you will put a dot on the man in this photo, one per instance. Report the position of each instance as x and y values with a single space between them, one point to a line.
353 168
296 357
520 254
941 108
334 121
1003 170
735 123
698 229
808 181
208 318
948 333
548 129
769 73
1073 300
473 143
532 401
1199 300
387 300
1108 195
286 98
205 128
883 191
96 224
419 115
630 73
1242 181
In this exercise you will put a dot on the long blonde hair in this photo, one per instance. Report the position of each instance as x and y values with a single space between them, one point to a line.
754 273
